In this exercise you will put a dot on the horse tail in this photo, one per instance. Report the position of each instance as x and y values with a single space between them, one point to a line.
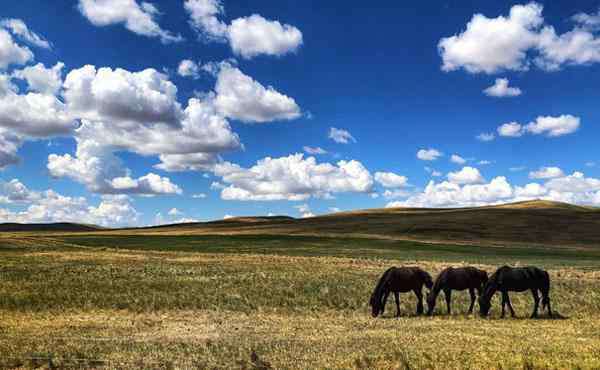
546 289
379 288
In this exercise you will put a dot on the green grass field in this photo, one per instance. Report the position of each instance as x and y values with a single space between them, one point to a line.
119 301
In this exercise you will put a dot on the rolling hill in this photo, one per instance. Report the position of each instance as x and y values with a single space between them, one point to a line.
541 223
523 223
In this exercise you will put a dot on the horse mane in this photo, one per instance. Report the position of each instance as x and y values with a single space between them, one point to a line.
379 288
427 279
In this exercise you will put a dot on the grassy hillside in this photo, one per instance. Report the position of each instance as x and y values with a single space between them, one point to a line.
539 223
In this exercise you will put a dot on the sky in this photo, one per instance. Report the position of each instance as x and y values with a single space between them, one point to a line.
131 113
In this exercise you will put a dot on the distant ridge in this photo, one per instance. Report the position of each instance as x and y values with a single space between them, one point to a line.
57 226
536 222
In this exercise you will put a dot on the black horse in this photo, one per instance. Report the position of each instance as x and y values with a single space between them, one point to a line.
516 279
399 280
457 279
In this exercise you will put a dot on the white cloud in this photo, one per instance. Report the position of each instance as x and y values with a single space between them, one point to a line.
314 150
137 18
199 196
247 36
9 145
484 162
390 179
255 35
50 206
429 154
433 172
575 189
227 217
492 45
341 136
292 178
149 184
137 112
334 209
240 97
20 29
486 136
41 79
500 89
468 175
11 52
511 129
14 191
546 173
543 125
34 115
455 158
554 126
591 21
188 68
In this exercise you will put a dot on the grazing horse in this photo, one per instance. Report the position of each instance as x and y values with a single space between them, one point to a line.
399 280
516 279
457 279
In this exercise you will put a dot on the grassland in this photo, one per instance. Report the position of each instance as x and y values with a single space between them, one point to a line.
210 301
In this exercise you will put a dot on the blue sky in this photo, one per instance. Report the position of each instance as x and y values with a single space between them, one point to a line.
122 112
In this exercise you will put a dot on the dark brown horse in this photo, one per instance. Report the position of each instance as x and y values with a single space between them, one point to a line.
457 279
399 280
516 279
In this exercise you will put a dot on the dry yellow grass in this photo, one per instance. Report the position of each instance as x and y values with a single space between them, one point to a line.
110 308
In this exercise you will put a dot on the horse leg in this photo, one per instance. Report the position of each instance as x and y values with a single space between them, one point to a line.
512 312
397 296
448 294
503 303
419 295
536 302
385 298
472 294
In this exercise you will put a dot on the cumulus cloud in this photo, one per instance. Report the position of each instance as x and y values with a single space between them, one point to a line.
50 206
467 175
455 158
240 97
546 173
149 184
14 191
255 35
314 150
543 125
249 36
429 154
500 89
574 188
41 79
292 178
341 136
139 18
137 112
514 42
554 126
511 129
390 179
